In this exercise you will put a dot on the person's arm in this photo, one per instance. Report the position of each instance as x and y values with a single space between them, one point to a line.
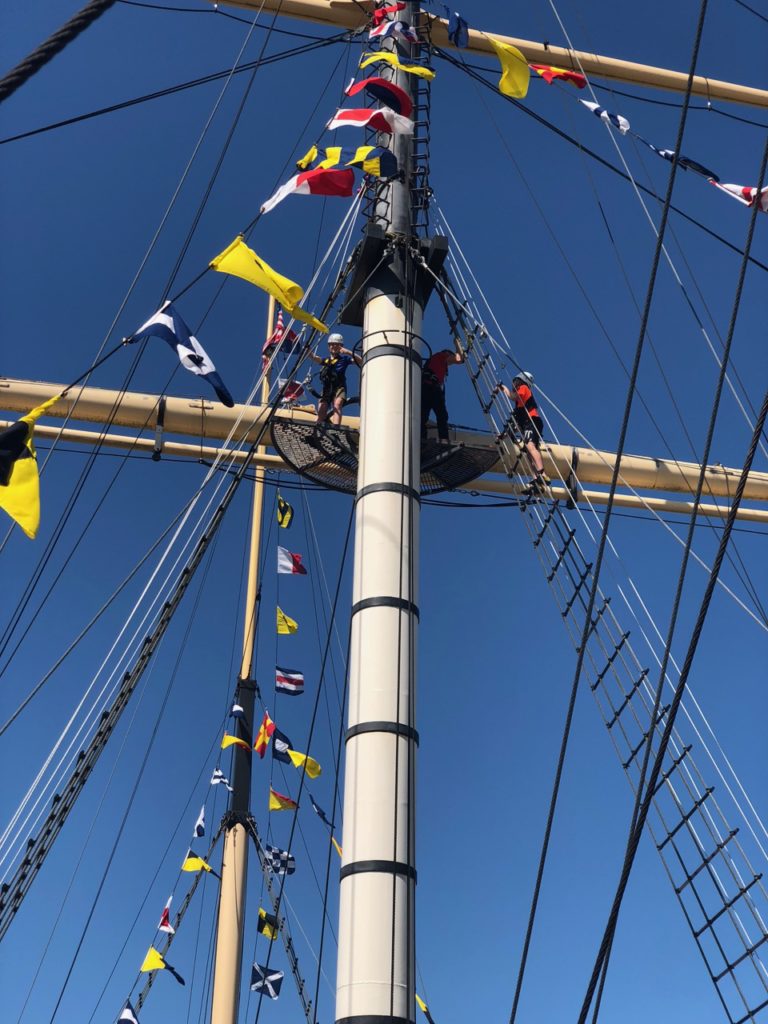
315 357
458 355
354 356
509 392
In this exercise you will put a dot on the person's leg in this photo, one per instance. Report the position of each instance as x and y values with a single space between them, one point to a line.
322 410
338 405
535 456
441 414
426 408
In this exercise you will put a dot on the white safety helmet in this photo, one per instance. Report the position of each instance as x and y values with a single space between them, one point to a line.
524 376
335 339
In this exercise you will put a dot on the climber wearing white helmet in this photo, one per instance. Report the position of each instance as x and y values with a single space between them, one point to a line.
529 423
333 378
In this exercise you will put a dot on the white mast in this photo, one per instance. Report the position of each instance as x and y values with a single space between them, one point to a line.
376 957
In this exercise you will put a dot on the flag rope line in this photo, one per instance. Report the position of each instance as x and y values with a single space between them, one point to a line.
665 251
638 815
182 817
303 771
590 152
201 488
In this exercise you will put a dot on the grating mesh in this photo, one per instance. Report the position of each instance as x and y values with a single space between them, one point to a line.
329 457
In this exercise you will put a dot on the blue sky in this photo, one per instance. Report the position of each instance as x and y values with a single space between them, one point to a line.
80 205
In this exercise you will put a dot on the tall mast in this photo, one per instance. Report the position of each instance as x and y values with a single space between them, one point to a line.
234 869
376 955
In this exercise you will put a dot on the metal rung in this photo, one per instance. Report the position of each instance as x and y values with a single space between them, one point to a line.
675 764
727 906
579 585
750 1015
686 817
635 686
611 658
561 555
596 622
480 364
639 746
547 520
707 860
744 955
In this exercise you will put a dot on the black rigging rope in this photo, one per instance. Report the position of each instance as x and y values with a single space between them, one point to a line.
137 783
644 794
581 649
215 76
54 44
468 70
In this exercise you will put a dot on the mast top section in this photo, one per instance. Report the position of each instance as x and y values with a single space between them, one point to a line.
349 14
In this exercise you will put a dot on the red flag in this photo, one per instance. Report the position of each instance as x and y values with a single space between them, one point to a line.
550 73
380 120
386 92
266 729
381 13
289 562
744 194
165 919
322 181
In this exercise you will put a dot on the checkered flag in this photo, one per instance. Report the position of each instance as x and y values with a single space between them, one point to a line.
280 862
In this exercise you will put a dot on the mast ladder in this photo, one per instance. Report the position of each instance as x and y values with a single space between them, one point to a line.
708 863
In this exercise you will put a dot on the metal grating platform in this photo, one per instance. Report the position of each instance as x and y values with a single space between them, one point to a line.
329 457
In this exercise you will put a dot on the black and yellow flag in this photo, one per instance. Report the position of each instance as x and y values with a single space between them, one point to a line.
284 513
267 924
19 478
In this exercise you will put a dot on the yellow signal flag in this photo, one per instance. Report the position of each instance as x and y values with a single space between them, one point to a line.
309 157
19 477
193 863
420 1003
336 846
153 961
285 624
310 765
234 741
241 261
393 60
280 802
515 73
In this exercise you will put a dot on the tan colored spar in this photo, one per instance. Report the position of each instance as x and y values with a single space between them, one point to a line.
486 484
214 422
347 14
230 928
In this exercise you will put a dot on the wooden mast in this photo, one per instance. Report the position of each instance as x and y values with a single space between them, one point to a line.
234 868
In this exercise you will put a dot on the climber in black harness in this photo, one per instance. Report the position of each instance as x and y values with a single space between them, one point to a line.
333 378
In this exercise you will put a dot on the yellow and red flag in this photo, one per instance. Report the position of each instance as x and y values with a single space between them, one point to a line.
550 73
280 802
266 729
234 741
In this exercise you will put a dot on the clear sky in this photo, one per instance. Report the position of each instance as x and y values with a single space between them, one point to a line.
80 206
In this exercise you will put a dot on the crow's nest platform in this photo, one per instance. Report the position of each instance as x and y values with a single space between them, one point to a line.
328 456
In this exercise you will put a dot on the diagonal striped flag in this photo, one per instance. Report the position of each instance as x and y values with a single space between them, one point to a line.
267 981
